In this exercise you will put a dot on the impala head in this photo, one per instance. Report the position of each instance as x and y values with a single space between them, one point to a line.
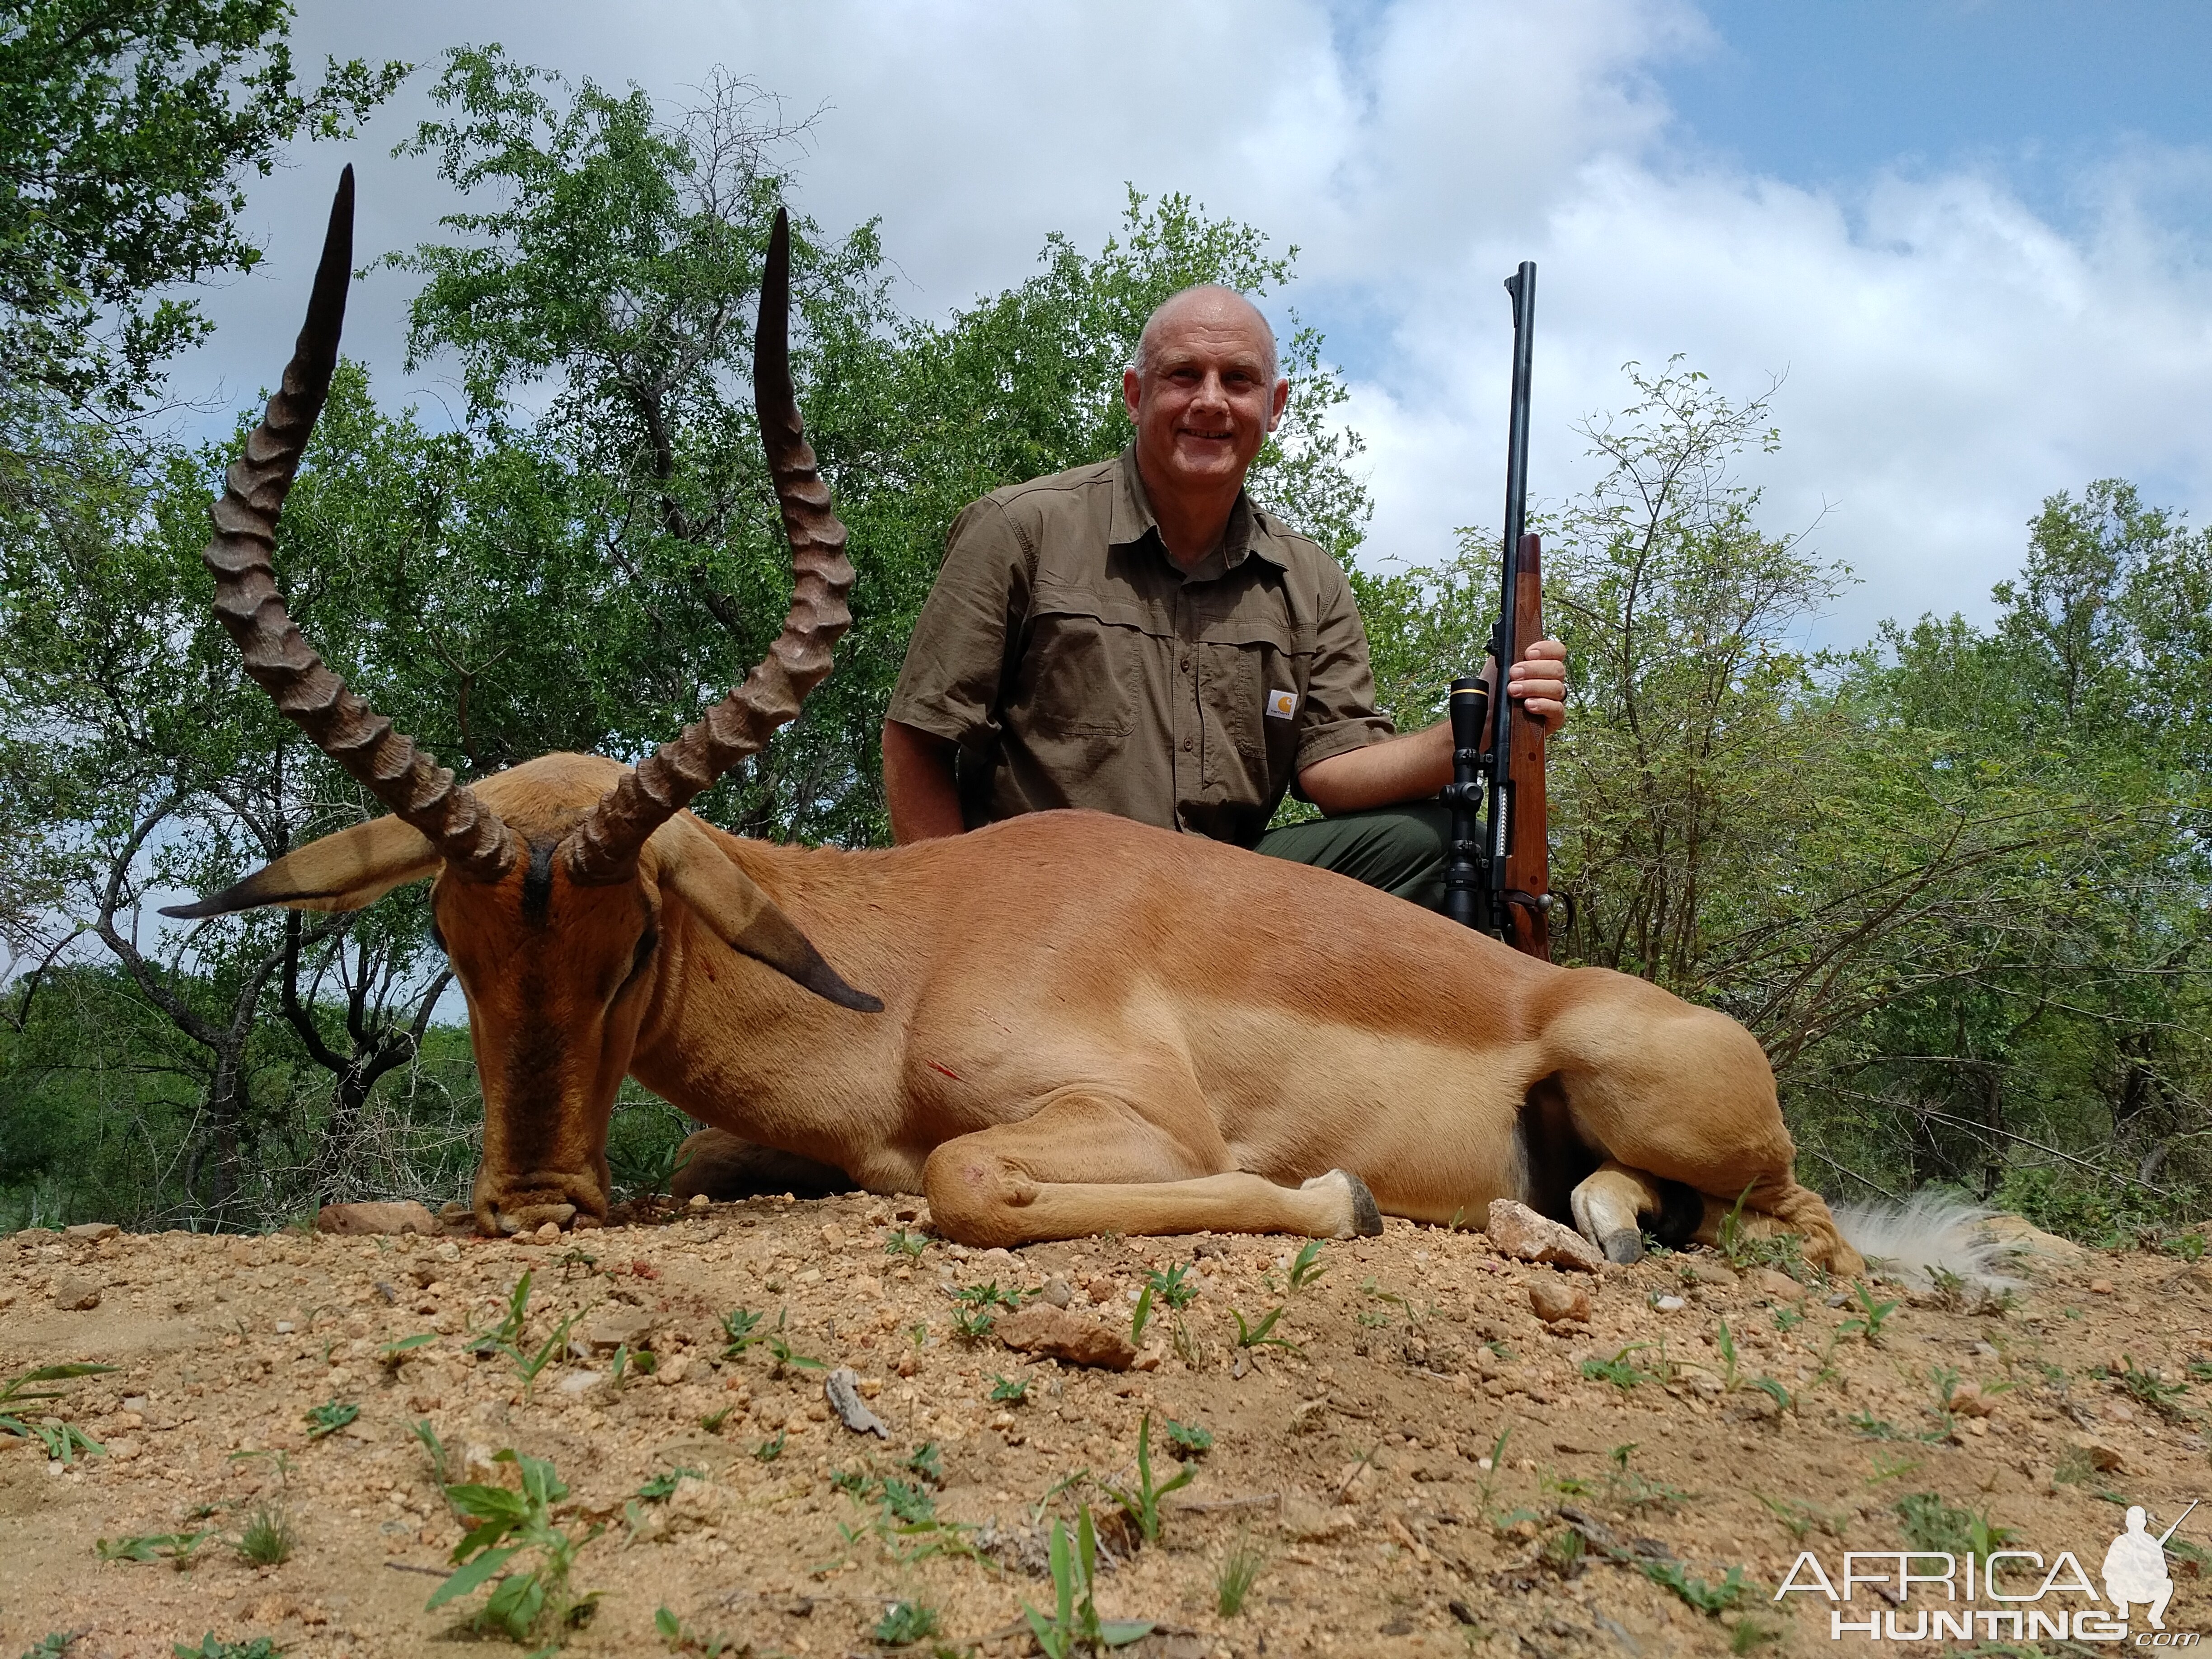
552 878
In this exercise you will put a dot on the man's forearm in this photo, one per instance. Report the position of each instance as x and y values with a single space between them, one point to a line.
918 785
1413 766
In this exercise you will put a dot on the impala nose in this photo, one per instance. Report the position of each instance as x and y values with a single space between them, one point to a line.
529 1218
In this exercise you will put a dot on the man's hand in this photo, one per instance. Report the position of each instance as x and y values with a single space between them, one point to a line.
1539 683
1415 765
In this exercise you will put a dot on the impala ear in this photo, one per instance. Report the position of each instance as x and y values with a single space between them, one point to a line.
346 871
746 919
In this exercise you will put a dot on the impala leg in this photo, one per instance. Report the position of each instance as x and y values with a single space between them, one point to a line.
1086 1162
1681 1094
1616 1205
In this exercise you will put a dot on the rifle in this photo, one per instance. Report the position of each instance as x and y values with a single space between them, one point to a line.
1498 874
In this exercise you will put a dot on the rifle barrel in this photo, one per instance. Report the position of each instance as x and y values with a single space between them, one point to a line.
1505 647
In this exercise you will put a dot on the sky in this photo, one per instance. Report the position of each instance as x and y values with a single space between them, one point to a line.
1971 242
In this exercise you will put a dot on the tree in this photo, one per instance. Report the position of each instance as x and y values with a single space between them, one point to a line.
615 281
126 128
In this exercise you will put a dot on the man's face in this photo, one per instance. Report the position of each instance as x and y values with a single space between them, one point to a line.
1204 404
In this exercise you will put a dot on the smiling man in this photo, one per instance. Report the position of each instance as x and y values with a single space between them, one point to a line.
1136 637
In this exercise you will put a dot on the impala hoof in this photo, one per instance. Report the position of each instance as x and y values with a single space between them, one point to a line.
1366 1215
1624 1249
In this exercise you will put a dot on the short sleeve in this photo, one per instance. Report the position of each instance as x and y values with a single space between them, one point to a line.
957 659
1339 712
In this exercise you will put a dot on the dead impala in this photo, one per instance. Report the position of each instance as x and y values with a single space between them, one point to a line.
1085 1025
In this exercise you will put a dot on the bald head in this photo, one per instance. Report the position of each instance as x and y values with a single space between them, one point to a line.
1221 308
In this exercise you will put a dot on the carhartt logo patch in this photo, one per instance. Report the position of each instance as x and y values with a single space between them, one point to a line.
1281 705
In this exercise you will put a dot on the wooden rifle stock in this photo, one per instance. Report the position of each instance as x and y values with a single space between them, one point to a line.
1528 919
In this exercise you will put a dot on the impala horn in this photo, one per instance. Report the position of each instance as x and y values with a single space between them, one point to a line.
466 833
603 847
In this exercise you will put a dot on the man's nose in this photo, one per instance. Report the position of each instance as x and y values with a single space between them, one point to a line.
1212 393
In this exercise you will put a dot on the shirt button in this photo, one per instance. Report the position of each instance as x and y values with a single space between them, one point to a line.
1186 664
1189 743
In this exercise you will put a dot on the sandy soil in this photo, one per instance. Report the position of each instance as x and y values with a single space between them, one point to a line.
1353 1465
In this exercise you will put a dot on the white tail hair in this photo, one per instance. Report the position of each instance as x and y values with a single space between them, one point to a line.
1927 1236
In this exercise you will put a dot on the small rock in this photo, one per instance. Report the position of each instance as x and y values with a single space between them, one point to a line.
2104 1458
549 1233
1967 1400
1058 1294
1305 1522
842 1390
90 1232
358 1219
1669 1304
1518 1231
694 1501
123 1449
699 1202
1043 1328
832 1235
2100 1287
1709 1272
670 1372
75 1293
1555 1299
620 1330
1767 1282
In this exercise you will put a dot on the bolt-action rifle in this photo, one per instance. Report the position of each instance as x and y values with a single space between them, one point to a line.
1497 877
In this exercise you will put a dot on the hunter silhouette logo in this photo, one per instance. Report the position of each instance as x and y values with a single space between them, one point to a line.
2135 1567
2008 1595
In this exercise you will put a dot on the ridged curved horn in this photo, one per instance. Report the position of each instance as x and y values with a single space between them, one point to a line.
467 833
603 847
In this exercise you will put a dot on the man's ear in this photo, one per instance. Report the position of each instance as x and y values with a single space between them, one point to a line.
345 871
745 919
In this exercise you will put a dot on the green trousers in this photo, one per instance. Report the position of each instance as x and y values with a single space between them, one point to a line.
1400 849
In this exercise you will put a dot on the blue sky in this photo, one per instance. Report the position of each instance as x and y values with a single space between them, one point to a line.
1971 241
1824 94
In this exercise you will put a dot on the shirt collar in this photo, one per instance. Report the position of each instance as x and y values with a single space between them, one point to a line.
1247 531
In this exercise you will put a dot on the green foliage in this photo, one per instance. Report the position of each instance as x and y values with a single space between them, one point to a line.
1623 1372
504 1523
1307 1266
22 1392
739 1331
1711 1600
130 128
1008 1390
54 1644
1192 1439
266 1539
1142 1502
1074 1626
330 1417
1871 1315
1930 1523
177 1548
900 1241
1233 1579
1256 1336
906 1621
259 1647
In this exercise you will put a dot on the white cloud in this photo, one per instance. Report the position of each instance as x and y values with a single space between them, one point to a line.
1950 355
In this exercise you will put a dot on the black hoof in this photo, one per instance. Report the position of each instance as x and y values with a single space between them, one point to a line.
1366 1214
1624 1249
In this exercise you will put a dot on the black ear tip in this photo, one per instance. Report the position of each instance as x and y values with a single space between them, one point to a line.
183 912
861 1002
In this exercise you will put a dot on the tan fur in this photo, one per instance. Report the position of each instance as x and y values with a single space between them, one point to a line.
1088 1025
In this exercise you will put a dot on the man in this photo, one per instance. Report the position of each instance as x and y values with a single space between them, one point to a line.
1137 637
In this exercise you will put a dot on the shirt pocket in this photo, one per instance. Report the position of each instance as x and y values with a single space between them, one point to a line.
1079 672
1247 667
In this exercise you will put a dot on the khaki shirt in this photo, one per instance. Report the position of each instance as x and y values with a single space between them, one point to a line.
1075 666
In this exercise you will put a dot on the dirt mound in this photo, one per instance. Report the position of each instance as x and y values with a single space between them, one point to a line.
1411 1461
